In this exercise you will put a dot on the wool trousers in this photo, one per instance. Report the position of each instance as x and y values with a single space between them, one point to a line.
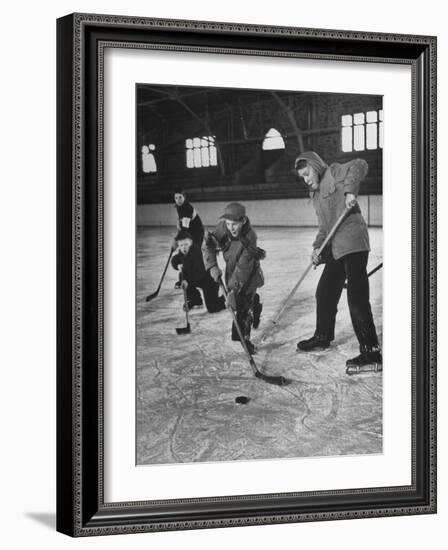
353 268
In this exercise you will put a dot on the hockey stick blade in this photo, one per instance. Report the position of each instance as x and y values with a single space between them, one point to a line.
276 380
152 296
182 330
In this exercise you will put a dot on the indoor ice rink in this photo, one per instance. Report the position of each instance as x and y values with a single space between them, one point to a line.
187 384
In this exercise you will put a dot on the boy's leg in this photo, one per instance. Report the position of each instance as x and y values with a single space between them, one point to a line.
244 317
194 297
328 293
213 302
358 296
370 357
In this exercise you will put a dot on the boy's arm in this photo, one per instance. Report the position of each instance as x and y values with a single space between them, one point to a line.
210 245
176 261
245 265
243 271
351 175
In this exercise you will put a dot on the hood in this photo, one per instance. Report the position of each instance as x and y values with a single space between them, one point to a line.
315 161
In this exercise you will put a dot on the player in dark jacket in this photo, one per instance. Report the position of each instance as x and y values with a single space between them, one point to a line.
237 241
189 261
187 218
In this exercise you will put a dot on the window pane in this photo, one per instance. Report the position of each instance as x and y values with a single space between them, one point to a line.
213 158
347 141
189 143
271 143
190 162
196 142
346 120
381 135
371 116
358 118
204 156
197 158
273 133
204 142
152 163
359 139
380 113
372 135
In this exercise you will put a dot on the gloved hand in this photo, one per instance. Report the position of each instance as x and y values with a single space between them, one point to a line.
350 200
215 273
184 284
315 258
231 300
173 245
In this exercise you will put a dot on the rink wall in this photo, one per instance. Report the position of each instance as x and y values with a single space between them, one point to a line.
278 212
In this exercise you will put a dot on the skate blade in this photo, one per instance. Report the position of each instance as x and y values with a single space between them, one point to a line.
376 367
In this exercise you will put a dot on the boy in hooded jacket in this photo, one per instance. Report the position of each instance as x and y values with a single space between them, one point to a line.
333 189
237 241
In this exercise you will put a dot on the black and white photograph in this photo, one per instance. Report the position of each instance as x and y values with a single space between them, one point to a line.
259 268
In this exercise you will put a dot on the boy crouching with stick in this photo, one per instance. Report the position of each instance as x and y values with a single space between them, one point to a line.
189 261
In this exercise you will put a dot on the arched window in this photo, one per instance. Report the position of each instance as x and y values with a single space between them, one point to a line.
148 160
273 140
201 152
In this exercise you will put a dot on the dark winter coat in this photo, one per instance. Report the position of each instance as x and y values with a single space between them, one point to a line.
193 265
243 272
189 219
329 203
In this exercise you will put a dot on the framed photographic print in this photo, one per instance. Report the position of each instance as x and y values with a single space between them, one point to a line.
246 275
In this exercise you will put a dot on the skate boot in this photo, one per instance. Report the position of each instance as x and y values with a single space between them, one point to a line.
258 308
369 360
316 342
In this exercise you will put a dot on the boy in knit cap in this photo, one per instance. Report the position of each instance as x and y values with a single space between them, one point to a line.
189 261
237 241
334 188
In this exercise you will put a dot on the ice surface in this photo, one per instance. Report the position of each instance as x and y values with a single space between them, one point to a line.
187 384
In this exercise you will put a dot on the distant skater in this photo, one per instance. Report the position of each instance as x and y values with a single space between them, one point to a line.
334 188
237 241
187 217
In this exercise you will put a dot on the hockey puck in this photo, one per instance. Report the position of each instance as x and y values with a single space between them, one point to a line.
242 400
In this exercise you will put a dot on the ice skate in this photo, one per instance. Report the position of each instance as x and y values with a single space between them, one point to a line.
369 360
315 343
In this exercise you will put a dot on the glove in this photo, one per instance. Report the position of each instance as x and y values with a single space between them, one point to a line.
231 300
184 284
350 200
215 273
315 258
